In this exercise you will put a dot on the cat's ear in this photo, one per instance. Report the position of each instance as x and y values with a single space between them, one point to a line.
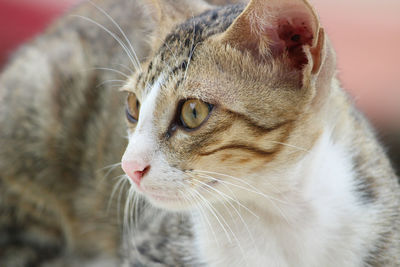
275 28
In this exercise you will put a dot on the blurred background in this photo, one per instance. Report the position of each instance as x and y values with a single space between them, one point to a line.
365 34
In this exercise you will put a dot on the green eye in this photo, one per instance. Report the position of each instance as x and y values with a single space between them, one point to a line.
132 108
194 112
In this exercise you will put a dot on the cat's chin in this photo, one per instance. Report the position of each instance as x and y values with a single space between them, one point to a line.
168 204
171 203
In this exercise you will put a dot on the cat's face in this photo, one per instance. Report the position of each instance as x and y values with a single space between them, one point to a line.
212 118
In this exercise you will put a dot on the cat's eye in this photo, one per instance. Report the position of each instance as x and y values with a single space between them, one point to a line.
132 108
194 112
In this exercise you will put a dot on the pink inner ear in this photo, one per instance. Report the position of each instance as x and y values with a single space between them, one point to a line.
293 35
275 27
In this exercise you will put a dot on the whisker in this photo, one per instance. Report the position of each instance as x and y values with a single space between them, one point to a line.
110 166
116 86
121 31
113 70
128 204
202 214
229 197
129 229
235 178
225 196
188 200
218 195
230 190
289 145
133 220
215 213
116 38
119 200
115 189
169 48
191 50
272 200
247 189
125 67
110 81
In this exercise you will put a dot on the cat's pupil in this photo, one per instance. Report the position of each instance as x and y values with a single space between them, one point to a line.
194 113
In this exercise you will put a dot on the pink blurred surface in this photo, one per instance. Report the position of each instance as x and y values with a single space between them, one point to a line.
365 33
366 37
22 19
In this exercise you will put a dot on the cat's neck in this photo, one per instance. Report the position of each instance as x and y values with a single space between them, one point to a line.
320 215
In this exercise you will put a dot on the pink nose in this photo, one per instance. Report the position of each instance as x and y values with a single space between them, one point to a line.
135 170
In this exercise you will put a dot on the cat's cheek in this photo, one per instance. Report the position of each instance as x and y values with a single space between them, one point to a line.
232 163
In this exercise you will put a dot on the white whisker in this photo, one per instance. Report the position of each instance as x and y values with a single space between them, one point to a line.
125 67
255 191
236 179
116 38
215 213
289 145
113 70
119 199
192 49
110 166
202 214
188 200
212 192
122 82
271 199
122 32
128 205
226 197
121 179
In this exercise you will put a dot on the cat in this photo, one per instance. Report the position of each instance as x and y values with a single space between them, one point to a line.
242 146
238 119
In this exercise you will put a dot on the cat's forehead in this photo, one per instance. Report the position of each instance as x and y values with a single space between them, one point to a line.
174 56
196 29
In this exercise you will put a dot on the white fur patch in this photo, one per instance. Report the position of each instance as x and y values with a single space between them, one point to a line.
323 224
141 144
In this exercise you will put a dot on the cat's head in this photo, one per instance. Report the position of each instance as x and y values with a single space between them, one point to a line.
228 104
